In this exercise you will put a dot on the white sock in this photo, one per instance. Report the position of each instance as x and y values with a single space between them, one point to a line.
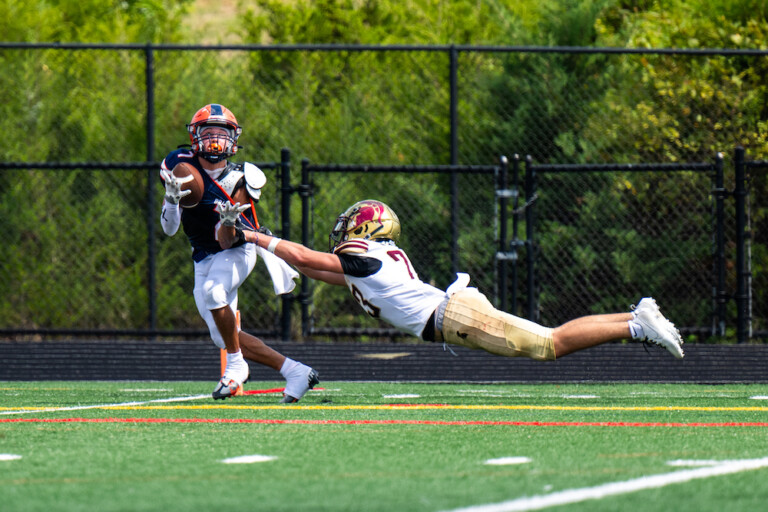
288 365
235 357
235 362
636 330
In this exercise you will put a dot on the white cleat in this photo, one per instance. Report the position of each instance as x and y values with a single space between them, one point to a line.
226 388
302 379
231 384
658 329
646 304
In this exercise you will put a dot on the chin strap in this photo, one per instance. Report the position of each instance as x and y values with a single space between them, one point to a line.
253 211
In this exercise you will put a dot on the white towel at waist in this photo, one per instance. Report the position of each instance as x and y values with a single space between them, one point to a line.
282 274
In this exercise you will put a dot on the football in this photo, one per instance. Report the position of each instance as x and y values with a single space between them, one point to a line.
196 185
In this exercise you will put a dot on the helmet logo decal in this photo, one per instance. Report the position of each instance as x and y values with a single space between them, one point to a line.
369 212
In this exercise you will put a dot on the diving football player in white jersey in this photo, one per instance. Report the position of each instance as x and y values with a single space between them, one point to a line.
365 258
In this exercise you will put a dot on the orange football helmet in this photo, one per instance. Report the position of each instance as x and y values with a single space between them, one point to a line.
214 147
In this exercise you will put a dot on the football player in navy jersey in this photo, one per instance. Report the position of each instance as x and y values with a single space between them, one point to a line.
213 132
364 256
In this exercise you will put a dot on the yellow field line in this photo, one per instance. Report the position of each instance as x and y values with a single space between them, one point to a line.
406 408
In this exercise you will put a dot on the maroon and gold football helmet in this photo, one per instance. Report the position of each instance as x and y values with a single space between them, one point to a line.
214 144
366 220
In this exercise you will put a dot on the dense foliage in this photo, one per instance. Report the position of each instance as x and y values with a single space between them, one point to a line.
381 108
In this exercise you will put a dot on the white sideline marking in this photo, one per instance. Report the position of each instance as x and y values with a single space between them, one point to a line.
100 406
694 463
9 456
401 396
249 459
580 396
612 489
506 461
145 390
487 392
758 397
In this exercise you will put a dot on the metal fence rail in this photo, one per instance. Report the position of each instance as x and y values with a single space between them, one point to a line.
80 192
431 231
699 301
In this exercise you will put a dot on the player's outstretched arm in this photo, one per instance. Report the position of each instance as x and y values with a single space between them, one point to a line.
293 253
296 254
323 275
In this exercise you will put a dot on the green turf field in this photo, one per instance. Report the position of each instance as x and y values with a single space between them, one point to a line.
133 446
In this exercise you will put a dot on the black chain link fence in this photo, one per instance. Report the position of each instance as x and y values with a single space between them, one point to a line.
81 195
616 231
421 197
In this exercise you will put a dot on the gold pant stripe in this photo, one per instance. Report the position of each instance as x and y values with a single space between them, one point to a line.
472 321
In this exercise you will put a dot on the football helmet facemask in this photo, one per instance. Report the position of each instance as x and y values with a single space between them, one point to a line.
212 146
367 220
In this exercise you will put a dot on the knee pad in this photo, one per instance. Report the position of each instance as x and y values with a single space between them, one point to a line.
216 296
472 321
216 337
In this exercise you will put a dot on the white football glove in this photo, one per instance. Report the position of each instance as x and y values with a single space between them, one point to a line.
229 212
173 192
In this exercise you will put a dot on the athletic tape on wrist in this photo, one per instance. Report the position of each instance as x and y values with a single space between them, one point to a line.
273 244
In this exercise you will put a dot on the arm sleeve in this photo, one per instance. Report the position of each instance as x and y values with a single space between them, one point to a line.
170 218
359 266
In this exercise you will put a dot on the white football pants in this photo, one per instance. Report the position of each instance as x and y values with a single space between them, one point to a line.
217 279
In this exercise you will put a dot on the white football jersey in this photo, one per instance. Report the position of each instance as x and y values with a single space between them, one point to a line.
393 292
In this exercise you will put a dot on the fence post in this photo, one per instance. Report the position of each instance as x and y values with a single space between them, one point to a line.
453 107
515 225
720 297
530 220
304 297
285 219
149 78
740 194
454 160
503 195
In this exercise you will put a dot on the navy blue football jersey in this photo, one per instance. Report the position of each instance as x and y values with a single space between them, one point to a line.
199 222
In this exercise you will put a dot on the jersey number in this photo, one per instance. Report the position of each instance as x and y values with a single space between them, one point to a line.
367 306
397 255
358 295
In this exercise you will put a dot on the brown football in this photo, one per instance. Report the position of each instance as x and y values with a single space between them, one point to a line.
196 185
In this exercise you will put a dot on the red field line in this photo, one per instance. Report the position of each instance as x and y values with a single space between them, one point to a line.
263 391
381 422
273 390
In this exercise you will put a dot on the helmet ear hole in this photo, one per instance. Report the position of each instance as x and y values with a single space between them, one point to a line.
359 230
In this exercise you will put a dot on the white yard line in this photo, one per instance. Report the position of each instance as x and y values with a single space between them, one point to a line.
616 488
506 461
102 406
249 459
